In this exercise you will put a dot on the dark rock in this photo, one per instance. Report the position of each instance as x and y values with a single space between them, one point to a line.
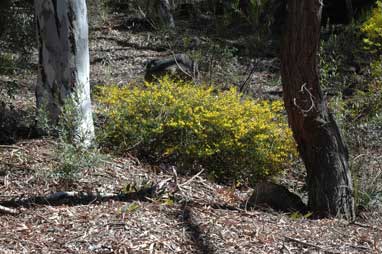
179 66
275 196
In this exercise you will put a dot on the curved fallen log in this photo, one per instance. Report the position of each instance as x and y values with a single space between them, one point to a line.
7 210
73 197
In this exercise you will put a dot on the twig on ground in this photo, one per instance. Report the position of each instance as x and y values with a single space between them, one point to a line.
309 245
365 226
13 147
286 248
191 179
74 197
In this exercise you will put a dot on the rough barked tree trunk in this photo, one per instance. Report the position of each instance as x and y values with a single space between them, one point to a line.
62 32
166 14
349 10
318 138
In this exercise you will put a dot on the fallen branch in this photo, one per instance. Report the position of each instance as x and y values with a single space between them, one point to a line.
191 179
74 197
366 226
13 147
242 87
180 67
7 210
309 245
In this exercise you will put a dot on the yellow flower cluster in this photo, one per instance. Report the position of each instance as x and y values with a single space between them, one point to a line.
232 137
372 28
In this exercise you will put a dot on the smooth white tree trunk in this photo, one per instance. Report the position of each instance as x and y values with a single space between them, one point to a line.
62 32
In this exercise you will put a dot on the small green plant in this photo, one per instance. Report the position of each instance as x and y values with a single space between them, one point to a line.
367 181
8 91
7 63
330 63
17 33
129 209
366 105
70 157
234 138
376 69
216 61
338 57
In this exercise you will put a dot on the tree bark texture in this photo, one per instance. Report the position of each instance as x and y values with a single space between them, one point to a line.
349 10
62 32
166 14
316 133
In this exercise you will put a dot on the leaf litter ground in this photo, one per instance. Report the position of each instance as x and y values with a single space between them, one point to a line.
207 219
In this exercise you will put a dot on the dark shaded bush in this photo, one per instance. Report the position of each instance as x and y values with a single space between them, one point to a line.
17 33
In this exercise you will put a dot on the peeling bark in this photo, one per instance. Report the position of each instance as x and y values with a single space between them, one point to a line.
62 33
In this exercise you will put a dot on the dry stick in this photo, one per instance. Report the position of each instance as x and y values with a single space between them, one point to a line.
148 20
365 226
74 196
180 67
241 88
286 248
13 147
309 244
7 210
191 179
359 247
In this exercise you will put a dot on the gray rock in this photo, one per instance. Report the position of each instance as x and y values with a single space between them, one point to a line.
179 66
275 196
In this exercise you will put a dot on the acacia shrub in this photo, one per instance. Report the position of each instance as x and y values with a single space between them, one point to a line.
233 138
372 28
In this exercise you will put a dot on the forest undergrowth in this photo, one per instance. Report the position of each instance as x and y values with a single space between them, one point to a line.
125 203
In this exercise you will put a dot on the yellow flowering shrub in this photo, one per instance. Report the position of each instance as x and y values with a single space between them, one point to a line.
231 137
372 28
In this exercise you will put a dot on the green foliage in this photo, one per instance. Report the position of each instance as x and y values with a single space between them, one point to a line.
259 14
367 181
338 57
129 208
8 91
372 28
359 109
233 138
329 67
17 32
7 63
138 185
366 105
217 61
299 216
376 69
70 158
